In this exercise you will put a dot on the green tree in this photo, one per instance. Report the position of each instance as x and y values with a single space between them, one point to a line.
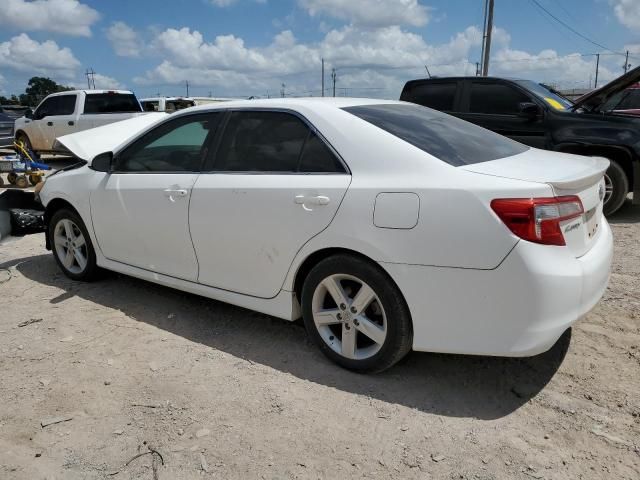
38 88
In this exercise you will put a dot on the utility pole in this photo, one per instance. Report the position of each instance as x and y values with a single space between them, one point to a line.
91 81
186 83
477 69
488 31
282 90
595 85
626 62
334 77
323 77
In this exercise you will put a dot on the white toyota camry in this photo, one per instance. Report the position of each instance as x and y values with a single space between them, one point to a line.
387 226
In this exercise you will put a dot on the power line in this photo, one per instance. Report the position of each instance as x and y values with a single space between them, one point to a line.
569 27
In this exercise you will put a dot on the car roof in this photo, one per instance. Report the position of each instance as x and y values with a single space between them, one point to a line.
467 77
292 103
90 92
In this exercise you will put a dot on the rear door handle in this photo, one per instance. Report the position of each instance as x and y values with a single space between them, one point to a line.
50 124
70 123
173 193
312 200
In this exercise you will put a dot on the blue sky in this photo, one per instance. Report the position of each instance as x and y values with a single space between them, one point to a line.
252 47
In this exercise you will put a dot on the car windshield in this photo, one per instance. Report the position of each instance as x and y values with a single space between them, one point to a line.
552 99
628 99
447 138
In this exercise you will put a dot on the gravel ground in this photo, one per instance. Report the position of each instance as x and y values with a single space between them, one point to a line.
214 391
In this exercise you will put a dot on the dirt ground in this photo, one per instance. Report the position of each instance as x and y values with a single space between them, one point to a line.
128 367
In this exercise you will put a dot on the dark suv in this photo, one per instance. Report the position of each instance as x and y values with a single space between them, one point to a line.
536 115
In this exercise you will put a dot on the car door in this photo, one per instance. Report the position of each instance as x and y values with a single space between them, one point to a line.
65 117
140 209
273 184
494 105
38 132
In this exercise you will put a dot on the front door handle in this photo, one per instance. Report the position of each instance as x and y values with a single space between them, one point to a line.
173 193
50 124
70 123
311 200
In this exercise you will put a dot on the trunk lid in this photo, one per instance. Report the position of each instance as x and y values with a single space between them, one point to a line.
566 175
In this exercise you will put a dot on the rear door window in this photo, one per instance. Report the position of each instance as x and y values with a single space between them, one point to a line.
261 142
447 138
495 98
437 95
111 103
66 105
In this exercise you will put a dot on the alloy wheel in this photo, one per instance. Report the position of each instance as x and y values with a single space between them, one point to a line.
349 316
608 188
71 246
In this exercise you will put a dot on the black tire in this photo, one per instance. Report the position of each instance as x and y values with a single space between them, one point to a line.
620 184
91 270
22 137
399 331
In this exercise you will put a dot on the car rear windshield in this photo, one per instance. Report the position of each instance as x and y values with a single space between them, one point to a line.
447 138
111 103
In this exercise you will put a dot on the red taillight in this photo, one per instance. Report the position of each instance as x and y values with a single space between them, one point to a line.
538 219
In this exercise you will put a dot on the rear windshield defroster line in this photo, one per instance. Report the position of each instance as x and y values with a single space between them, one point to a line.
447 138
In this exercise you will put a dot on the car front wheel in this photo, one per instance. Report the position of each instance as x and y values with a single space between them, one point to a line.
71 245
356 315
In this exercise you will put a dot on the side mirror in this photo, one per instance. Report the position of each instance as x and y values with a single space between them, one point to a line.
28 113
102 162
529 110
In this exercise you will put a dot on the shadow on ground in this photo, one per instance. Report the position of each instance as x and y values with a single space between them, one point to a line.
628 213
452 385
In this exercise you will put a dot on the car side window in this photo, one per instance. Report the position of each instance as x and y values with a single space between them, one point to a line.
439 96
317 157
180 145
261 141
66 105
495 98
258 141
45 108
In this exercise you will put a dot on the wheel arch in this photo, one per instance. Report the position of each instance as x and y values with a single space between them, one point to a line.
305 267
52 207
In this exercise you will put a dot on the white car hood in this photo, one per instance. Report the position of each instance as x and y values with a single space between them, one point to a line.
562 170
87 144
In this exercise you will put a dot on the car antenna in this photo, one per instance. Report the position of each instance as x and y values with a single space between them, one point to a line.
428 72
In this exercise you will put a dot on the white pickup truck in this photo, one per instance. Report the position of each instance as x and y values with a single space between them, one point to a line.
69 112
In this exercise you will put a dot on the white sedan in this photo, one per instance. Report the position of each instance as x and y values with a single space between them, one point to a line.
387 226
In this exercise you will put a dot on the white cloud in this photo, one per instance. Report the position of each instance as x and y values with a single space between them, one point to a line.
104 82
371 12
627 12
69 17
23 54
572 70
124 40
369 61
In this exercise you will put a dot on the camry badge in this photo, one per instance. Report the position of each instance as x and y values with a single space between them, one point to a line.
601 192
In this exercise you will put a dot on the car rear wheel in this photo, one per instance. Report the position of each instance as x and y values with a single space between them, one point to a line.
616 188
71 245
356 315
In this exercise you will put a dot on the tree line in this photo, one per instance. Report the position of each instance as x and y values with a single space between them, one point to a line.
37 89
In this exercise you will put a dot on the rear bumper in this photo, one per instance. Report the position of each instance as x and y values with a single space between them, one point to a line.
520 308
